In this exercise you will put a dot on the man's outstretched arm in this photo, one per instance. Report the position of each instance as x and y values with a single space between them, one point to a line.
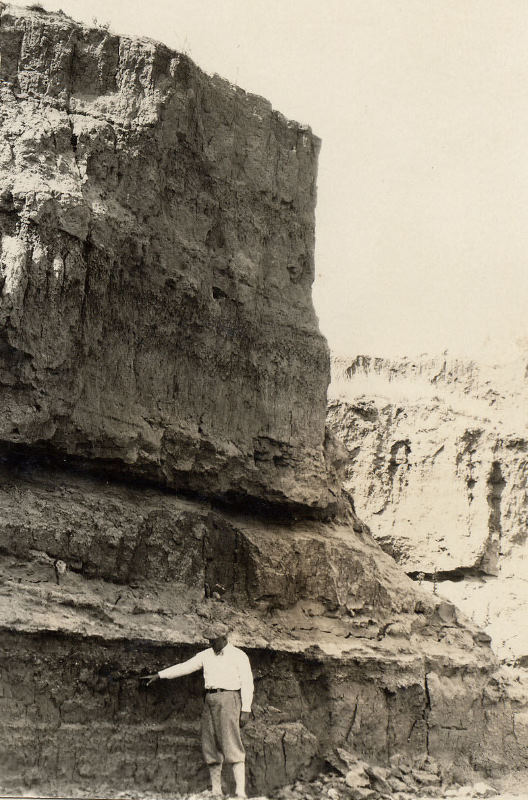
177 671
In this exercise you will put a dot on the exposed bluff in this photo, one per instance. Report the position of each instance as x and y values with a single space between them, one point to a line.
438 460
345 650
156 323
157 233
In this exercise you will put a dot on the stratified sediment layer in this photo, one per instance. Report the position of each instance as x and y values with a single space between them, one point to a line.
157 335
344 648
156 262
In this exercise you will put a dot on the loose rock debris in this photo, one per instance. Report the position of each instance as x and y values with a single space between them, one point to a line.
351 778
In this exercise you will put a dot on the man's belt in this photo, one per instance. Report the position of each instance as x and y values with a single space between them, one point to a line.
212 691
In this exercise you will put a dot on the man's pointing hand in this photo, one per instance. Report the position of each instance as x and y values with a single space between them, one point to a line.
150 679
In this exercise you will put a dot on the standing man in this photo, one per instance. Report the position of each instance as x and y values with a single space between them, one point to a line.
228 697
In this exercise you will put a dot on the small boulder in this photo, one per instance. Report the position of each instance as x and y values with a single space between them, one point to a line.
396 784
361 793
401 763
409 781
379 778
484 790
426 778
446 613
357 778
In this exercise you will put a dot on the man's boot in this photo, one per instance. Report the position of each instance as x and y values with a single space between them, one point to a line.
239 774
215 774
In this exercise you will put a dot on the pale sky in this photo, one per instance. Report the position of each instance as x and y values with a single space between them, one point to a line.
422 106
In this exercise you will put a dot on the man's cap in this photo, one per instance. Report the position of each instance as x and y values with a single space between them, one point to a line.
214 630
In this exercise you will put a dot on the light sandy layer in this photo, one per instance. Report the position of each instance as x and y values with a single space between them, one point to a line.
438 466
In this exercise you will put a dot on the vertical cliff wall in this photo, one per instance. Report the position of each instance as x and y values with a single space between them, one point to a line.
157 232
162 441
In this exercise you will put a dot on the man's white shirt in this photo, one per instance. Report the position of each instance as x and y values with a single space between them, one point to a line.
230 669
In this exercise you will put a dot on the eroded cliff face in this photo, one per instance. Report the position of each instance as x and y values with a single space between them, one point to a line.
157 231
345 650
163 455
439 466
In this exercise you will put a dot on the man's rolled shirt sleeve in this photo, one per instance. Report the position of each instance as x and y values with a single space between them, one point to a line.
185 668
246 682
